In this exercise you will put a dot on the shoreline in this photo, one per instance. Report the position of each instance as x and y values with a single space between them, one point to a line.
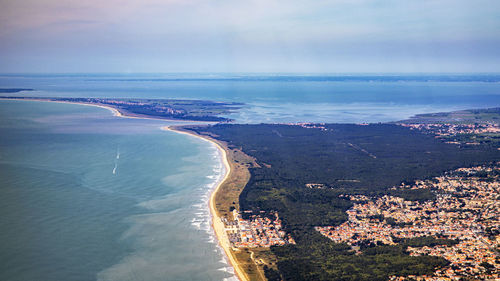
113 110
217 224
116 112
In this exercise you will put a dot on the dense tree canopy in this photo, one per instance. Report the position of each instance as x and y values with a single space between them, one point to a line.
340 159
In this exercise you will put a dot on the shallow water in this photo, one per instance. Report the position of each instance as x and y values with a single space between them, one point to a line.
86 196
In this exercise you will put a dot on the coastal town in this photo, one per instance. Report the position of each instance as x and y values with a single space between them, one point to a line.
259 230
464 220
450 131
453 133
156 106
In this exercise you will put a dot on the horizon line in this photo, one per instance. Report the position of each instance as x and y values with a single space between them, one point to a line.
254 73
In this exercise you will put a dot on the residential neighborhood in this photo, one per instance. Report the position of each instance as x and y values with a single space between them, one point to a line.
447 131
465 213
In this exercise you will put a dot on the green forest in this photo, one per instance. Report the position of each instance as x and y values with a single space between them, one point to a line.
342 159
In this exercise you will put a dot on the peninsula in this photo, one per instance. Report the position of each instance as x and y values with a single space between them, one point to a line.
13 90
170 109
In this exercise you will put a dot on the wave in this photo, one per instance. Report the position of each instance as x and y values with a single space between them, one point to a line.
176 227
116 160
229 270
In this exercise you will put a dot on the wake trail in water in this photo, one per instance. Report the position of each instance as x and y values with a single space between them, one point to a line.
116 160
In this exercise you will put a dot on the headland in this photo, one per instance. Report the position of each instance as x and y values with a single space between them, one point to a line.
164 109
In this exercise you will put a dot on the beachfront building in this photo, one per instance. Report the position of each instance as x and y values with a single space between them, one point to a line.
259 230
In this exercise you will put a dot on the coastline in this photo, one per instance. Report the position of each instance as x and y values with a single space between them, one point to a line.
116 112
113 110
217 224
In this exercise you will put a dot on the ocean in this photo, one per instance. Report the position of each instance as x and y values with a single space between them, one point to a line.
284 98
85 195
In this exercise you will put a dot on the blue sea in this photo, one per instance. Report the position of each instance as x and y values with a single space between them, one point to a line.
85 195
285 98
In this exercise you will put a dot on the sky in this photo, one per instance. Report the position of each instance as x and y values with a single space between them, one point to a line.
320 36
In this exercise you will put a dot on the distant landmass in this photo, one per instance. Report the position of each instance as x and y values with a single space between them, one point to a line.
489 115
489 78
13 90
192 110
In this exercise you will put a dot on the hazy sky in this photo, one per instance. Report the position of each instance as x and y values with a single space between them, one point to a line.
249 36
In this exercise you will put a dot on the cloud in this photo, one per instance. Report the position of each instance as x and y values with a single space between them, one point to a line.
219 33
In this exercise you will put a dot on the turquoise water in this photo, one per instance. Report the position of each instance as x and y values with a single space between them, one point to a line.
86 195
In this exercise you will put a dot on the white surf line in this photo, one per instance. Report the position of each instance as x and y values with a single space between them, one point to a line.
217 224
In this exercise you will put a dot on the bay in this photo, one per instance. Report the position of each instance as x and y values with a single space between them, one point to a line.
282 98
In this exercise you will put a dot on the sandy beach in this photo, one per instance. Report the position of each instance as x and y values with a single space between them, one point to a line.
217 223
114 110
